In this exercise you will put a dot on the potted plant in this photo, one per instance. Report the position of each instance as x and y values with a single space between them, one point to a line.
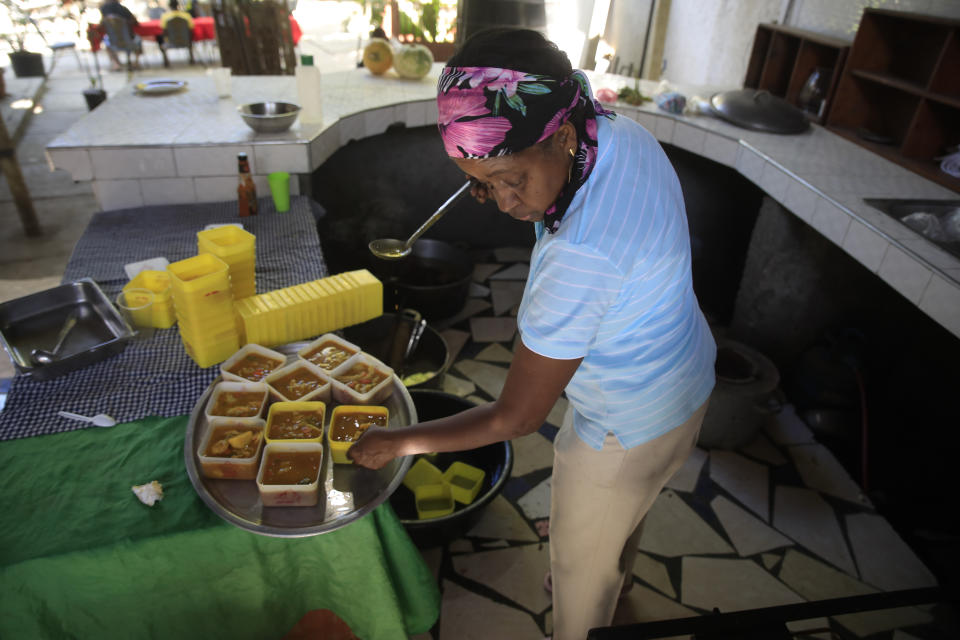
25 64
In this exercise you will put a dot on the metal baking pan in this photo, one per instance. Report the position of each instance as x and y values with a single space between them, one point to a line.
33 322
348 492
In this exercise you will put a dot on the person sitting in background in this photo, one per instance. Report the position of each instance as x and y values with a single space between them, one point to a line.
175 12
114 8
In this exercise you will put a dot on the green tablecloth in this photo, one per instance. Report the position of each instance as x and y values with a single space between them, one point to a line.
81 557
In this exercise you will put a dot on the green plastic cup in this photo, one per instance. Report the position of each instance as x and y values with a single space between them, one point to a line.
280 190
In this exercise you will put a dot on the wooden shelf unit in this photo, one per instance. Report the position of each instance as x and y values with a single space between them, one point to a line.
783 58
902 82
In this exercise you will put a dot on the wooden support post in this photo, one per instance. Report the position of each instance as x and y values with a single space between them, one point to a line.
18 186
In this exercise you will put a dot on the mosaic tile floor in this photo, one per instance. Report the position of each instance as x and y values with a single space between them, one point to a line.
779 521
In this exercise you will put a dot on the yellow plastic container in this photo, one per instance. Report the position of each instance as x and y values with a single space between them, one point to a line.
207 355
201 276
226 241
433 500
163 316
422 472
465 481
339 424
290 495
277 409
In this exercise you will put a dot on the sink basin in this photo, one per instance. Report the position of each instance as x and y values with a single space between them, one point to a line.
936 220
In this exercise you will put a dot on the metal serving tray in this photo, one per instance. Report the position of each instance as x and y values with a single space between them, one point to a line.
33 322
348 492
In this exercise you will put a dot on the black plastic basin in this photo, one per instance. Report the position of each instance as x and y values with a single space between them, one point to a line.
495 459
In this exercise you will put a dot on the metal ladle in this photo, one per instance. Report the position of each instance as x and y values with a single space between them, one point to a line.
392 249
42 356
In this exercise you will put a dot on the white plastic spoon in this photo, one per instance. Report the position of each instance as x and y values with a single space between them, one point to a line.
99 420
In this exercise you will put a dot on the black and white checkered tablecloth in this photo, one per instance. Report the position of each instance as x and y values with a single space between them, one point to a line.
155 376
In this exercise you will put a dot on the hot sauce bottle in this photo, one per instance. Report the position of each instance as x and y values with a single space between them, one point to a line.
246 190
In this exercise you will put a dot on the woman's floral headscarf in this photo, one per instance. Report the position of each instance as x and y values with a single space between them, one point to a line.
486 112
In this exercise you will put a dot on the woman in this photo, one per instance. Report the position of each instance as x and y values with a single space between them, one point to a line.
608 314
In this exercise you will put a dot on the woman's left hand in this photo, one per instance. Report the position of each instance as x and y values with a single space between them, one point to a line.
374 449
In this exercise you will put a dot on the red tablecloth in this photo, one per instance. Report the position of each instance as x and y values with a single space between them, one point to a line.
203 29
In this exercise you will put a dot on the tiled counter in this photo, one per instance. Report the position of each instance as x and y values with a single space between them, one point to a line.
182 148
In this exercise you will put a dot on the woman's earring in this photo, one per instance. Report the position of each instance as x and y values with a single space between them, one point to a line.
572 152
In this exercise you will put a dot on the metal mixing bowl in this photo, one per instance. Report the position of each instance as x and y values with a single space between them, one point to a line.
269 117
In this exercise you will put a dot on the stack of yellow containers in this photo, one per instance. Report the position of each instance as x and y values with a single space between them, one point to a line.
307 310
236 247
161 312
203 302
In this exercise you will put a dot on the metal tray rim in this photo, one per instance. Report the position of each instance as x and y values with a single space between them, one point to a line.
196 479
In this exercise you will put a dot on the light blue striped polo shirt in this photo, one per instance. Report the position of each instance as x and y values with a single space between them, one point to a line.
613 285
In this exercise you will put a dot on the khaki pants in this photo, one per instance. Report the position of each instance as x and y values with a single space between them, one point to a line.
598 501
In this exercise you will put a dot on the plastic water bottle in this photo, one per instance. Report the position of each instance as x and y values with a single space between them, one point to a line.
308 90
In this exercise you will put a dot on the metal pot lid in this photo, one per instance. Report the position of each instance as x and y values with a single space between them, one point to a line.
759 110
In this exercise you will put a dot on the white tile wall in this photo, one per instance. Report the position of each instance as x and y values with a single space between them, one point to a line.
376 121
774 181
801 200
293 158
113 164
689 137
416 113
216 189
352 128
941 301
76 161
831 221
721 149
865 244
432 114
664 130
648 121
193 162
750 164
167 191
118 194
324 146
904 274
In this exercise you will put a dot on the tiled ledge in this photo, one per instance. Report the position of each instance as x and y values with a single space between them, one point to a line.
182 148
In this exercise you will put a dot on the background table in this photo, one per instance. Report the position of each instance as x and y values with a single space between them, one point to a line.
81 556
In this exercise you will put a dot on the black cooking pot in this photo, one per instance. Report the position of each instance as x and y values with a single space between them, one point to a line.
434 279
496 460
387 338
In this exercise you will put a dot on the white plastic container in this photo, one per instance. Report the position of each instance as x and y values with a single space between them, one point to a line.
326 351
231 387
290 495
344 393
221 466
308 371
243 352
308 90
